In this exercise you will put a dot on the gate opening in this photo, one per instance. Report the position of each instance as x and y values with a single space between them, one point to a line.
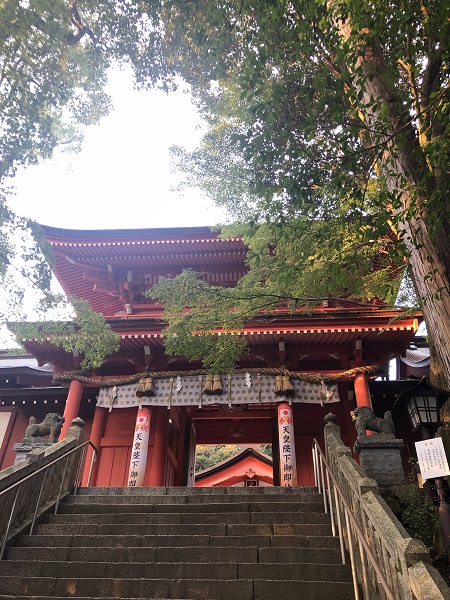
233 465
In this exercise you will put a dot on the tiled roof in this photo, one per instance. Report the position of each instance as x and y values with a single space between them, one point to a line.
23 362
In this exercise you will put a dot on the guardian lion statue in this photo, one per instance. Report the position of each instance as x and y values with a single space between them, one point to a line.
365 419
51 426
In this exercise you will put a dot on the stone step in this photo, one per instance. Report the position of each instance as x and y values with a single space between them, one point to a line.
175 504
132 519
171 529
266 589
197 589
196 499
284 536
139 518
238 508
126 588
304 571
313 553
134 554
182 518
184 492
119 570
149 529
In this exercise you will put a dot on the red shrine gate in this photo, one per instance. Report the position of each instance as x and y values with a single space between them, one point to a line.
179 430
147 412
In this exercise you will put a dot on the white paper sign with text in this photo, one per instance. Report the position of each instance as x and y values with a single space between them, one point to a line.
432 459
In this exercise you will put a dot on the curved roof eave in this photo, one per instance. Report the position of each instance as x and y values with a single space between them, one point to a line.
56 233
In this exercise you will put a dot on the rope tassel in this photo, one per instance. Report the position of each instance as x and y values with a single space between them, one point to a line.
145 387
288 386
209 383
213 384
278 389
217 385
148 388
283 385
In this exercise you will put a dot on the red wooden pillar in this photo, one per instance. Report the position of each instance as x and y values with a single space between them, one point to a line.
73 403
288 461
160 447
97 432
362 392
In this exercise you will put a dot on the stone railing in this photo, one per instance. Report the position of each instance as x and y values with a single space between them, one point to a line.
22 495
404 561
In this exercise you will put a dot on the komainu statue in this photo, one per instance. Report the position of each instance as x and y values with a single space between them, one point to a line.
51 426
364 418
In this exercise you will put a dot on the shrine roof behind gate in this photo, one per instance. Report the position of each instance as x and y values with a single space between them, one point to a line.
255 463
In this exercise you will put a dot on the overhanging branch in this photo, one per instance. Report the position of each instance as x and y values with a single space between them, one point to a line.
80 28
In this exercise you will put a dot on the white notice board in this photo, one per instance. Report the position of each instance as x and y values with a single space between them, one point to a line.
432 459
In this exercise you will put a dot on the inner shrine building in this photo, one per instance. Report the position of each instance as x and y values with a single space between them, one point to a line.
145 412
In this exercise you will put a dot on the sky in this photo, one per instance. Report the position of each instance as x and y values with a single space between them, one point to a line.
122 177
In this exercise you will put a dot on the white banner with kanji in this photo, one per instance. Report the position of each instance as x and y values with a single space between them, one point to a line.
138 460
288 462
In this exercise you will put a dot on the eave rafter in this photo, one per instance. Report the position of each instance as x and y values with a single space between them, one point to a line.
140 338
112 268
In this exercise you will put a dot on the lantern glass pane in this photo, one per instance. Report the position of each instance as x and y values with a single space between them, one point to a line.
413 414
427 408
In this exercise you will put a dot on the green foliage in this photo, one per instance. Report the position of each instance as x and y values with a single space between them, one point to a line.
40 76
51 85
22 253
310 96
193 333
322 114
419 516
266 449
282 116
208 456
309 258
292 266
88 335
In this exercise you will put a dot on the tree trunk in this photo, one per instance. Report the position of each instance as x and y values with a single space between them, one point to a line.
404 167
431 278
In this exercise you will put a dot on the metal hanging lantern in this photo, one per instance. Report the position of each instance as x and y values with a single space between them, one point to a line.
423 407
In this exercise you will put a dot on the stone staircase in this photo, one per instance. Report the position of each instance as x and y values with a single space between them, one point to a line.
184 543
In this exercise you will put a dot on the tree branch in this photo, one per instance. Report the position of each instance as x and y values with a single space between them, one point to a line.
81 28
